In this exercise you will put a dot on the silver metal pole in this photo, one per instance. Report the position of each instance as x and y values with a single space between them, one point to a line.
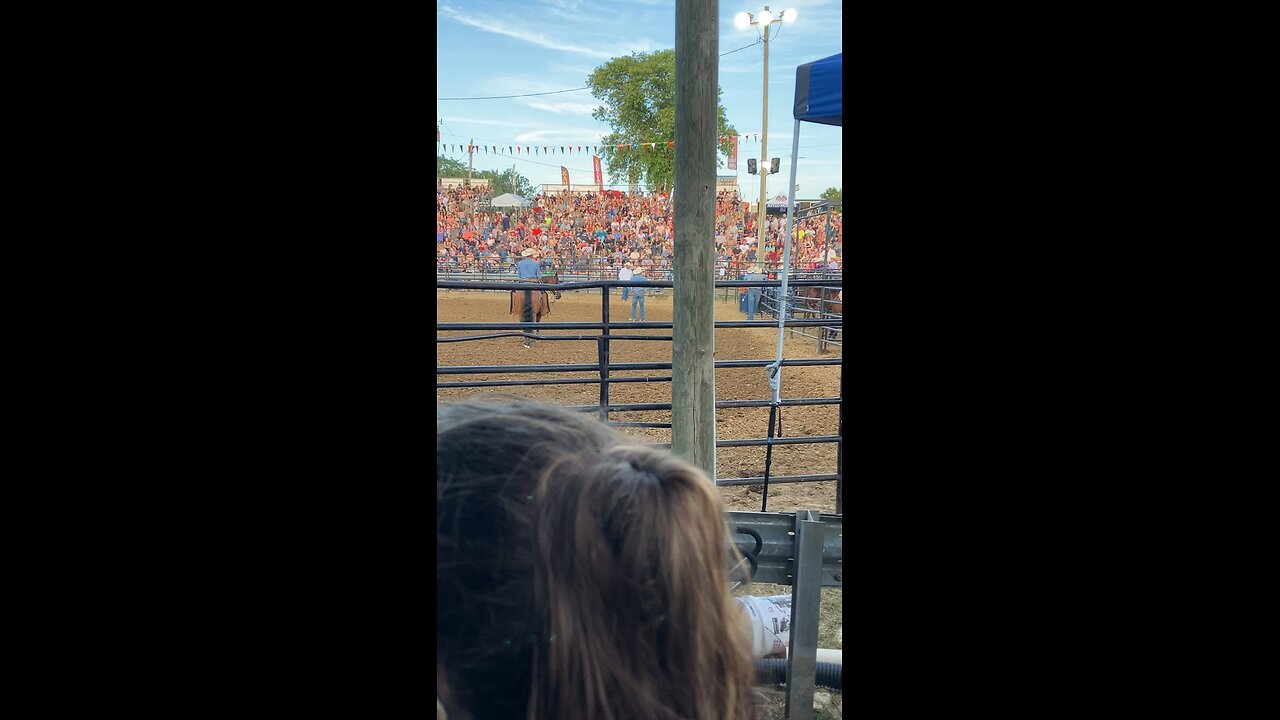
775 370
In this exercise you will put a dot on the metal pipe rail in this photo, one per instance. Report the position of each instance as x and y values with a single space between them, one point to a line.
760 442
606 370
719 404
767 542
602 284
627 324
775 479
584 367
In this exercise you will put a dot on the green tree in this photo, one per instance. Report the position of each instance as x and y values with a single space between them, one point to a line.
639 95
507 181
832 194
450 168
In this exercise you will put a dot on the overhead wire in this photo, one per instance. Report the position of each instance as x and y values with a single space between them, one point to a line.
517 158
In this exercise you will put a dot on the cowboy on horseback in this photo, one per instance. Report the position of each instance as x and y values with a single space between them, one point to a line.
528 270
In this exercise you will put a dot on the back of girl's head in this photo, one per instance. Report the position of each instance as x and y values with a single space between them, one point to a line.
579 574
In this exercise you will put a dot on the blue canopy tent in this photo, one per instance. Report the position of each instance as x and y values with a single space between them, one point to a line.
819 99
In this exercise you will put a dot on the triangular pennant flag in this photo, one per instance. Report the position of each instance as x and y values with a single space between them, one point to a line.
526 149
517 149
535 151
508 149
561 149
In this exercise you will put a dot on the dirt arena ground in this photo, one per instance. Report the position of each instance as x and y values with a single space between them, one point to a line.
734 423
731 384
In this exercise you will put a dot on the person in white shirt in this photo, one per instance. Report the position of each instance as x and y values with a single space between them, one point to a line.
625 274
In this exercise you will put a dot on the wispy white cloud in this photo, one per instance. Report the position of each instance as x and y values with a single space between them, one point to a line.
487 121
498 26
568 10
560 135
561 107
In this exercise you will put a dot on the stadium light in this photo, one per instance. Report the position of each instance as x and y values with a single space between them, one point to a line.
763 20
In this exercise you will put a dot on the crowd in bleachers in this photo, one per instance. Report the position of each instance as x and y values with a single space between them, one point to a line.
595 233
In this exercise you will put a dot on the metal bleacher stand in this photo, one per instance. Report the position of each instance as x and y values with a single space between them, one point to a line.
803 550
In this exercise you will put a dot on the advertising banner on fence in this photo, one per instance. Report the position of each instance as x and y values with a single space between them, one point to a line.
595 160
564 177
733 154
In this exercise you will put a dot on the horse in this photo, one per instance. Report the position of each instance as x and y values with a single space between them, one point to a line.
530 309
820 302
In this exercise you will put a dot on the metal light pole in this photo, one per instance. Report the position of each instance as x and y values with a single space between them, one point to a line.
763 21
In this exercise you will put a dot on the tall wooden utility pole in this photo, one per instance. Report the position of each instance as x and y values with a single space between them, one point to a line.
693 375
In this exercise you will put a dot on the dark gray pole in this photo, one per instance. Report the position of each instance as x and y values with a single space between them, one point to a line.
693 420
826 240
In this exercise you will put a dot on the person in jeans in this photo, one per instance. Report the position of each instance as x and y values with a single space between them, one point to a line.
637 294
625 274
753 293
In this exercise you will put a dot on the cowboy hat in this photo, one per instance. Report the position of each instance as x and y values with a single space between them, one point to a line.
753 269
527 252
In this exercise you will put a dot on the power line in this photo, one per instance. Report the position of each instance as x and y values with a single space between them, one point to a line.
744 47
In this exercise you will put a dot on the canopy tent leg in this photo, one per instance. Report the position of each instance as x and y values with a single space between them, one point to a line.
775 376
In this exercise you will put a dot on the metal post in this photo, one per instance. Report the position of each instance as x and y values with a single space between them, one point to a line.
827 243
840 448
604 358
806 593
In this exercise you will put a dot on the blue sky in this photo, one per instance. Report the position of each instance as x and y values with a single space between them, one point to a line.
498 47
